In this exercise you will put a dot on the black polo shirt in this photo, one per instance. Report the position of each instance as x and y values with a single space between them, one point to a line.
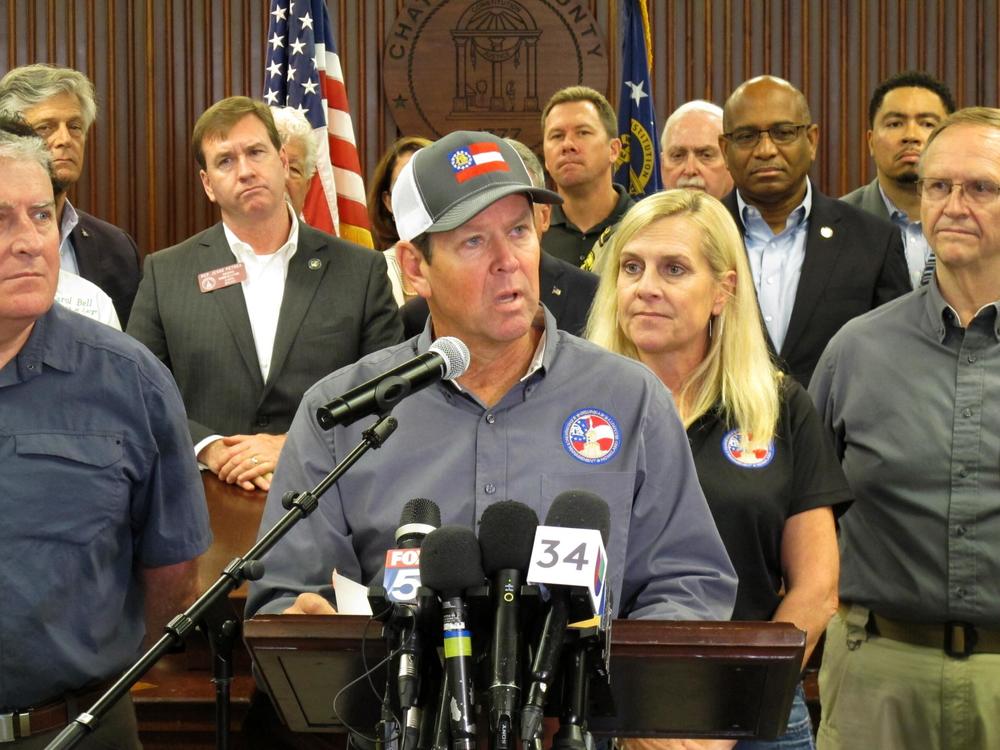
751 496
566 241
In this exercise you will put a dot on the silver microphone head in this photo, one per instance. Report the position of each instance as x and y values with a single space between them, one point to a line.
456 356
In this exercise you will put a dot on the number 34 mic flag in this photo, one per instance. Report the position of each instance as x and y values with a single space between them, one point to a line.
303 72
638 164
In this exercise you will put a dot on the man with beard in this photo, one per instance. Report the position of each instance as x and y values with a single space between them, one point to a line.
903 111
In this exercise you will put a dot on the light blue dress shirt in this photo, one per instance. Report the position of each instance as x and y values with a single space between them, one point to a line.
776 262
917 249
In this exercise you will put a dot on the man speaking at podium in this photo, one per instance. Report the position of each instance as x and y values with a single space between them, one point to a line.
537 412
103 509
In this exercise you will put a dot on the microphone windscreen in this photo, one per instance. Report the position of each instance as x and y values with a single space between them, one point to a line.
506 536
420 511
455 354
579 509
450 561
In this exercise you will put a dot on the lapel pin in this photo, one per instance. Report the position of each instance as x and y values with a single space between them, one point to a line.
315 264
556 291
826 232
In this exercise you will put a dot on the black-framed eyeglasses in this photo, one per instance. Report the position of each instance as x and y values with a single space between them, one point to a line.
782 133
975 191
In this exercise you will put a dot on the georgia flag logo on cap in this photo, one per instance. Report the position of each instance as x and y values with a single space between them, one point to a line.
476 159
591 436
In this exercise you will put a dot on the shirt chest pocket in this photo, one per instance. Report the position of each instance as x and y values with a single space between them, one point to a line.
75 485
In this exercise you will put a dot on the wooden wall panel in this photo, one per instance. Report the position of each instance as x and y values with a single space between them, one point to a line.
836 51
158 63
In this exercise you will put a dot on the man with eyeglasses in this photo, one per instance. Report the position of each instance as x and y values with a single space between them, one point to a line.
903 111
816 262
909 393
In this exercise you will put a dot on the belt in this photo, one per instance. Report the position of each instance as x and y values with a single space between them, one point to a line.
49 716
956 639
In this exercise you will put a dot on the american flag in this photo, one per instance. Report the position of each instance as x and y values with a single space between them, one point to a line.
303 71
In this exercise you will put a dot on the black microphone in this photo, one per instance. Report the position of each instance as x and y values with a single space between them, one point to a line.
450 563
446 359
575 509
506 536
419 518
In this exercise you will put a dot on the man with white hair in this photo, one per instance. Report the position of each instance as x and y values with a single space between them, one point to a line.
58 103
300 147
690 155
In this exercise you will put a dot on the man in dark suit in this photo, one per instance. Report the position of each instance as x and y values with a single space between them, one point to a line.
58 103
816 262
251 312
903 111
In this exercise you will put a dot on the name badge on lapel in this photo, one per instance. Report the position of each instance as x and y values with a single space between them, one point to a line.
220 278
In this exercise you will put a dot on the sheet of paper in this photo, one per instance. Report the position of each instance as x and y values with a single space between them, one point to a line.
352 598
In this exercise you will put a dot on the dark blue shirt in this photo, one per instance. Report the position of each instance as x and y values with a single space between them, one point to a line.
97 481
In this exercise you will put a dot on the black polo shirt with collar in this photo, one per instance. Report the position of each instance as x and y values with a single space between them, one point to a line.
567 242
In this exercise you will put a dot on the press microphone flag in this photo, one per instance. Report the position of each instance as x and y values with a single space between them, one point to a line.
560 559
419 518
569 549
401 577
447 359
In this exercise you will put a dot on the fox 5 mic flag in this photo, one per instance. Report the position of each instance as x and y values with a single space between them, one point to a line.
303 72
638 164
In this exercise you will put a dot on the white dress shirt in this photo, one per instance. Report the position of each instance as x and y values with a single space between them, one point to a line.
263 291
264 288
67 254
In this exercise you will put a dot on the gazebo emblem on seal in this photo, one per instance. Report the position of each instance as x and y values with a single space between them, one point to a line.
496 60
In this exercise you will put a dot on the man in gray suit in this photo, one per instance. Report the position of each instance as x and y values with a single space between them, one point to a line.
903 111
251 312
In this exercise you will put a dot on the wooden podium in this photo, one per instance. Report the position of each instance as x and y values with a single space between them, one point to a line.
668 679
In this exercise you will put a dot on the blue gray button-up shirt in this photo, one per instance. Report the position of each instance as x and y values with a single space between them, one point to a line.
585 419
913 402
97 481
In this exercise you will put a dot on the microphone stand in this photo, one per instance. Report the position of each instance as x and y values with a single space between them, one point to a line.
246 568
572 733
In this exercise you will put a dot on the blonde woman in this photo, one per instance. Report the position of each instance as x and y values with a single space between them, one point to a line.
676 294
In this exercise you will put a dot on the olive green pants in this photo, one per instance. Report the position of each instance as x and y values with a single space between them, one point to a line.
886 695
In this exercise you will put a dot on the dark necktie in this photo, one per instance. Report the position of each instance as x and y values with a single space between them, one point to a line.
925 277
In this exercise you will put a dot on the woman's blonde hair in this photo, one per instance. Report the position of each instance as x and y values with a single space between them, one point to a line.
737 373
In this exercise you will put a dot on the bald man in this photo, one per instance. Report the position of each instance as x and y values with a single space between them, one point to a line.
816 261
690 155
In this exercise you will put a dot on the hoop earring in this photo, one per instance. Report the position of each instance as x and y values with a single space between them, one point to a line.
710 327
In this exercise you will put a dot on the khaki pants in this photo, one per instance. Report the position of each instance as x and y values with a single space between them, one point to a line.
886 695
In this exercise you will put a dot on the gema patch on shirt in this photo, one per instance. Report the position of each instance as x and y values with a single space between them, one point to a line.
591 436
756 458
